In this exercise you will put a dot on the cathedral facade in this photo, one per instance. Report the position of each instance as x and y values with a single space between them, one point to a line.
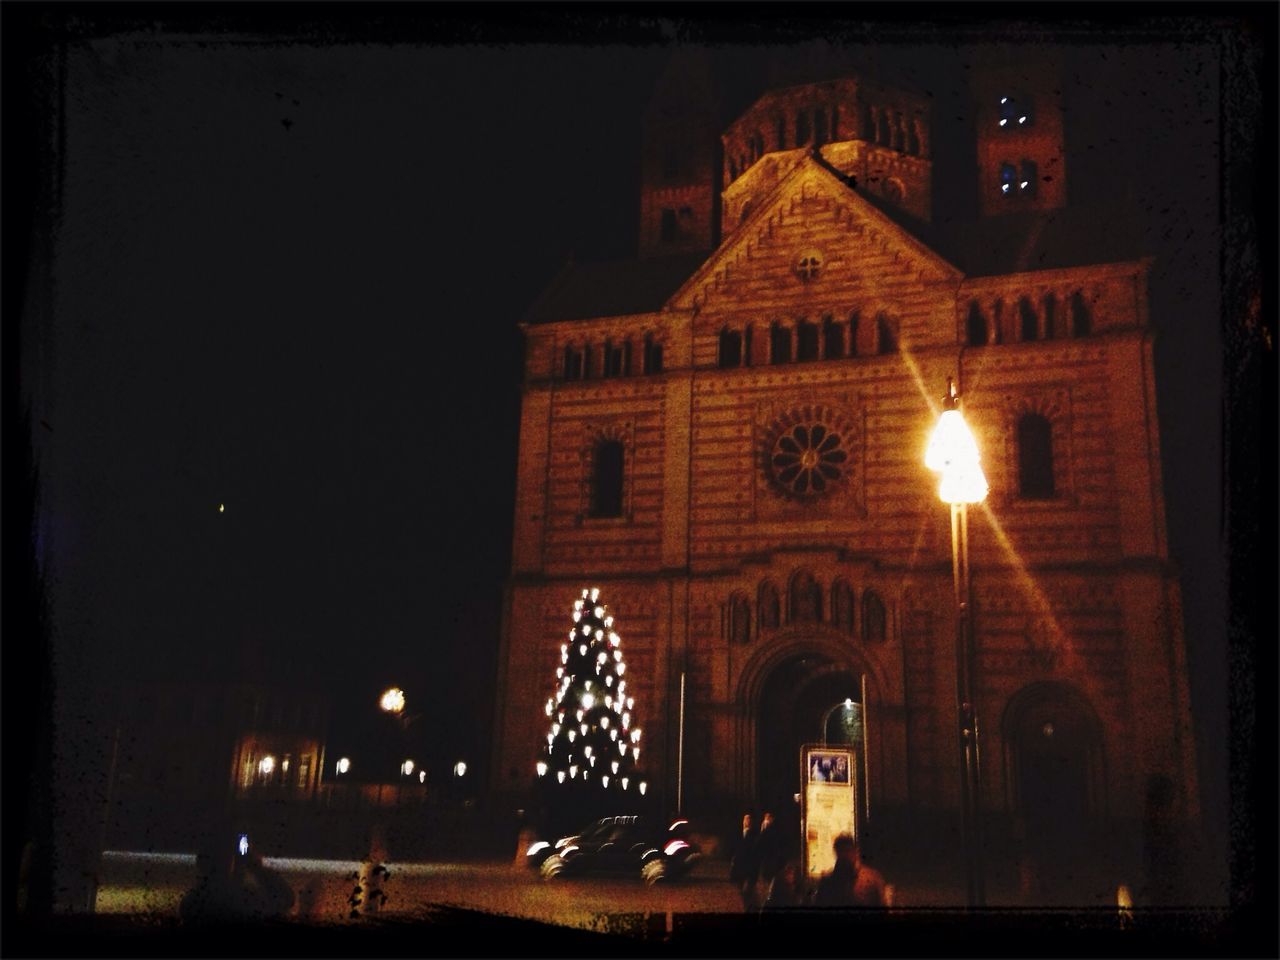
726 437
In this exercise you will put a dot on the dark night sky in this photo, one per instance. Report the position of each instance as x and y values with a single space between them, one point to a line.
287 268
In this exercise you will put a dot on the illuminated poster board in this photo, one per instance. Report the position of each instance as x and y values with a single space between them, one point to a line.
830 779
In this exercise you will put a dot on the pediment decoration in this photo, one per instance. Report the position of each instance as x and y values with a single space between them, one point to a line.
807 190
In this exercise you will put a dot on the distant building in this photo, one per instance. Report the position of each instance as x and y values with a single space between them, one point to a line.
726 436
187 756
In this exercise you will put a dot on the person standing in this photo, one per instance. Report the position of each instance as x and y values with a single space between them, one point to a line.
772 852
851 883
785 890
744 869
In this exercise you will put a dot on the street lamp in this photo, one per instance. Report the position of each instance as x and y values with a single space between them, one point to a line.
953 454
392 701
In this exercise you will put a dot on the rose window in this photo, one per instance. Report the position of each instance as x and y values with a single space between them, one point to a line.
807 458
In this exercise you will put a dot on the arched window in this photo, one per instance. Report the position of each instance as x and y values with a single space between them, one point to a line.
868 122
652 354
572 363
842 606
854 318
1008 179
832 338
733 170
882 132
802 128
806 341
1029 322
819 126
782 133
668 228
739 619
886 335
1050 315
1027 181
1015 112
606 479
976 327
770 607
913 138
835 121
1035 457
613 359
779 344
873 621
806 599
730 348
1081 322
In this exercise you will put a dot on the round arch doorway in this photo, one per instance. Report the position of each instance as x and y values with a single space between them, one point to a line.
807 699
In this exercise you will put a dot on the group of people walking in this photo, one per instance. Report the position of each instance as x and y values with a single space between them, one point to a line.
767 873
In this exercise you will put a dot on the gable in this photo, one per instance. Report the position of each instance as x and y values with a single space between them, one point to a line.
812 232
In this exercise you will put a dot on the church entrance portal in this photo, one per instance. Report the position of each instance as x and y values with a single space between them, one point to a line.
807 699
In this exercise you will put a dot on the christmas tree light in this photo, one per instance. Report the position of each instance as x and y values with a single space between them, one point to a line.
584 719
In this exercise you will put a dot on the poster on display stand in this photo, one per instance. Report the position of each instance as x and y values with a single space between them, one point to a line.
830 778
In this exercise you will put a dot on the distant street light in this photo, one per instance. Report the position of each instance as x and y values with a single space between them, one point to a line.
953 453
343 765
407 768
460 768
392 700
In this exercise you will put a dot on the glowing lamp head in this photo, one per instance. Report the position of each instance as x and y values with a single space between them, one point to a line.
963 486
344 765
407 768
392 700
953 453
542 769
266 765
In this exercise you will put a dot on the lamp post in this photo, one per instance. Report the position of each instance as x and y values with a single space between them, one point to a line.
953 454
392 702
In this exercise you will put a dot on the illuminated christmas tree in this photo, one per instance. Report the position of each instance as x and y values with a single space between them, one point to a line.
592 750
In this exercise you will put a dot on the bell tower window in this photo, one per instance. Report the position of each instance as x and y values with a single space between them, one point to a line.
1015 113
668 228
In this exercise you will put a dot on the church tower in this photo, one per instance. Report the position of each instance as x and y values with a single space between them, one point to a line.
1019 137
678 162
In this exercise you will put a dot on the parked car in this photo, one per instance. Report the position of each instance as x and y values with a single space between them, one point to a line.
619 846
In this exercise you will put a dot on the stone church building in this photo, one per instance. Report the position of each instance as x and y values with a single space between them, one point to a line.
726 436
